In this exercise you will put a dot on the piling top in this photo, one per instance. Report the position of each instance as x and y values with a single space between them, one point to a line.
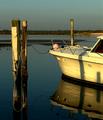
72 23
24 23
15 23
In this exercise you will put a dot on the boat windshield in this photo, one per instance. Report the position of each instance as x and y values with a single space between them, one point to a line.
99 47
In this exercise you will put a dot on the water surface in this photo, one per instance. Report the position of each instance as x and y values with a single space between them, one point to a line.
44 77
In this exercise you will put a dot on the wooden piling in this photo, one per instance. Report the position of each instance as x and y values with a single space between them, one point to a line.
15 43
24 42
24 73
16 64
72 31
19 60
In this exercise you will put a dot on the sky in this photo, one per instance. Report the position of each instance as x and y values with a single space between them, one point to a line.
52 14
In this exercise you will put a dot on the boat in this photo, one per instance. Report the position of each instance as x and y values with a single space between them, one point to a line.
81 62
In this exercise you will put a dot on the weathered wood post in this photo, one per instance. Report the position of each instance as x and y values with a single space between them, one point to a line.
24 43
16 49
72 31
24 73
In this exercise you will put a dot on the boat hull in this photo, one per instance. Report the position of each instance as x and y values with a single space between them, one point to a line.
81 68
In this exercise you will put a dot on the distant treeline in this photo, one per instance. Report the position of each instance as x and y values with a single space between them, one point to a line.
53 32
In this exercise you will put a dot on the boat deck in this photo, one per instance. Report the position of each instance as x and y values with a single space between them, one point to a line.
77 50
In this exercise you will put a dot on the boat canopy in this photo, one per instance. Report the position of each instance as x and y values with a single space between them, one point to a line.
98 47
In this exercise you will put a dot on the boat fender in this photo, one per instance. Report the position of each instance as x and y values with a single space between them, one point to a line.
55 46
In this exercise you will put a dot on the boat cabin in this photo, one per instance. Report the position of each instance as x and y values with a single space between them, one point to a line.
98 47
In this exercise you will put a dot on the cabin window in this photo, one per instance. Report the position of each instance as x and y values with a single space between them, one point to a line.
99 47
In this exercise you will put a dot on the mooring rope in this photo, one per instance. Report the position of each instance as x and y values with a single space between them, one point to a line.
40 52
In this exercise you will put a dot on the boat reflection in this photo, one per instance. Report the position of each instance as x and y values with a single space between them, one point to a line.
79 96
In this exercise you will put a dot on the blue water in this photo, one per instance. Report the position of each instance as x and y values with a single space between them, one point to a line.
44 77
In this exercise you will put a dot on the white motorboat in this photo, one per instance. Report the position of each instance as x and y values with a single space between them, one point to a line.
81 62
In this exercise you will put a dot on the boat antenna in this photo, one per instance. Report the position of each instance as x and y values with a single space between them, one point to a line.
72 31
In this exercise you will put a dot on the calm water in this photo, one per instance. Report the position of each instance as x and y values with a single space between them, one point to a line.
44 77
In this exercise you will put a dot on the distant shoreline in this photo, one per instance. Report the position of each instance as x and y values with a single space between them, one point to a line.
57 32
